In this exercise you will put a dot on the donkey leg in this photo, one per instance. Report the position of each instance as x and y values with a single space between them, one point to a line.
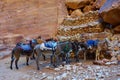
12 60
37 62
63 56
37 59
51 59
77 56
67 59
44 57
32 57
77 59
27 60
16 63
17 58
85 53
55 60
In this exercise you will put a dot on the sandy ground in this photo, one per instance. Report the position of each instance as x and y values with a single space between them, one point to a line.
48 73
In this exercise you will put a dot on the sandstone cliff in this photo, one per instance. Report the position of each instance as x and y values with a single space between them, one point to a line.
31 18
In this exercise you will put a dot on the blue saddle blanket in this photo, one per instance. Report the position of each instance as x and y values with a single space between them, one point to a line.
92 42
26 47
50 44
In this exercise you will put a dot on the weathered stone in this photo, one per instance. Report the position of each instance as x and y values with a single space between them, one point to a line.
118 74
12 38
2 47
110 12
57 69
117 29
88 8
75 4
90 78
84 18
118 57
5 53
62 11
76 13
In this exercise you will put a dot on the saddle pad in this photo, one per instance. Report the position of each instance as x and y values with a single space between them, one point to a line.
90 43
96 42
50 44
26 47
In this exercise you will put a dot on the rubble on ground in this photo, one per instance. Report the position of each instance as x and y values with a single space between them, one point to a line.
78 71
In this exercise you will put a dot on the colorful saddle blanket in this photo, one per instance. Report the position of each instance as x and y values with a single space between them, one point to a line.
92 43
50 44
25 47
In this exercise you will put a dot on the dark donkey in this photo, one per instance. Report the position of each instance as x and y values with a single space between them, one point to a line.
80 49
91 48
22 49
63 50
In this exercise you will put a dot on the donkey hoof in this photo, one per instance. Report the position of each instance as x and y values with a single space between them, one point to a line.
55 66
17 68
27 64
44 59
77 61
32 58
38 68
11 68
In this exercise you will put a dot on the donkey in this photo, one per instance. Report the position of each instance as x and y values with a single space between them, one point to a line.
22 49
44 47
58 49
63 50
91 47
103 50
67 47
106 48
82 49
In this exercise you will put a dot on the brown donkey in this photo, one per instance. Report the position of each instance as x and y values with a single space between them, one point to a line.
22 49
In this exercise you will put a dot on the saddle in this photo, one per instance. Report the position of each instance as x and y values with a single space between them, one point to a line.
25 47
92 43
50 44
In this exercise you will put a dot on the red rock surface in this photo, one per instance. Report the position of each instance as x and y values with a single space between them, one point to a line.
117 29
88 8
30 17
75 4
110 12
62 11
76 13
11 39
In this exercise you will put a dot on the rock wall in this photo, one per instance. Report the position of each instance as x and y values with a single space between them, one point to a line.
88 23
94 17
30 17
110 12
